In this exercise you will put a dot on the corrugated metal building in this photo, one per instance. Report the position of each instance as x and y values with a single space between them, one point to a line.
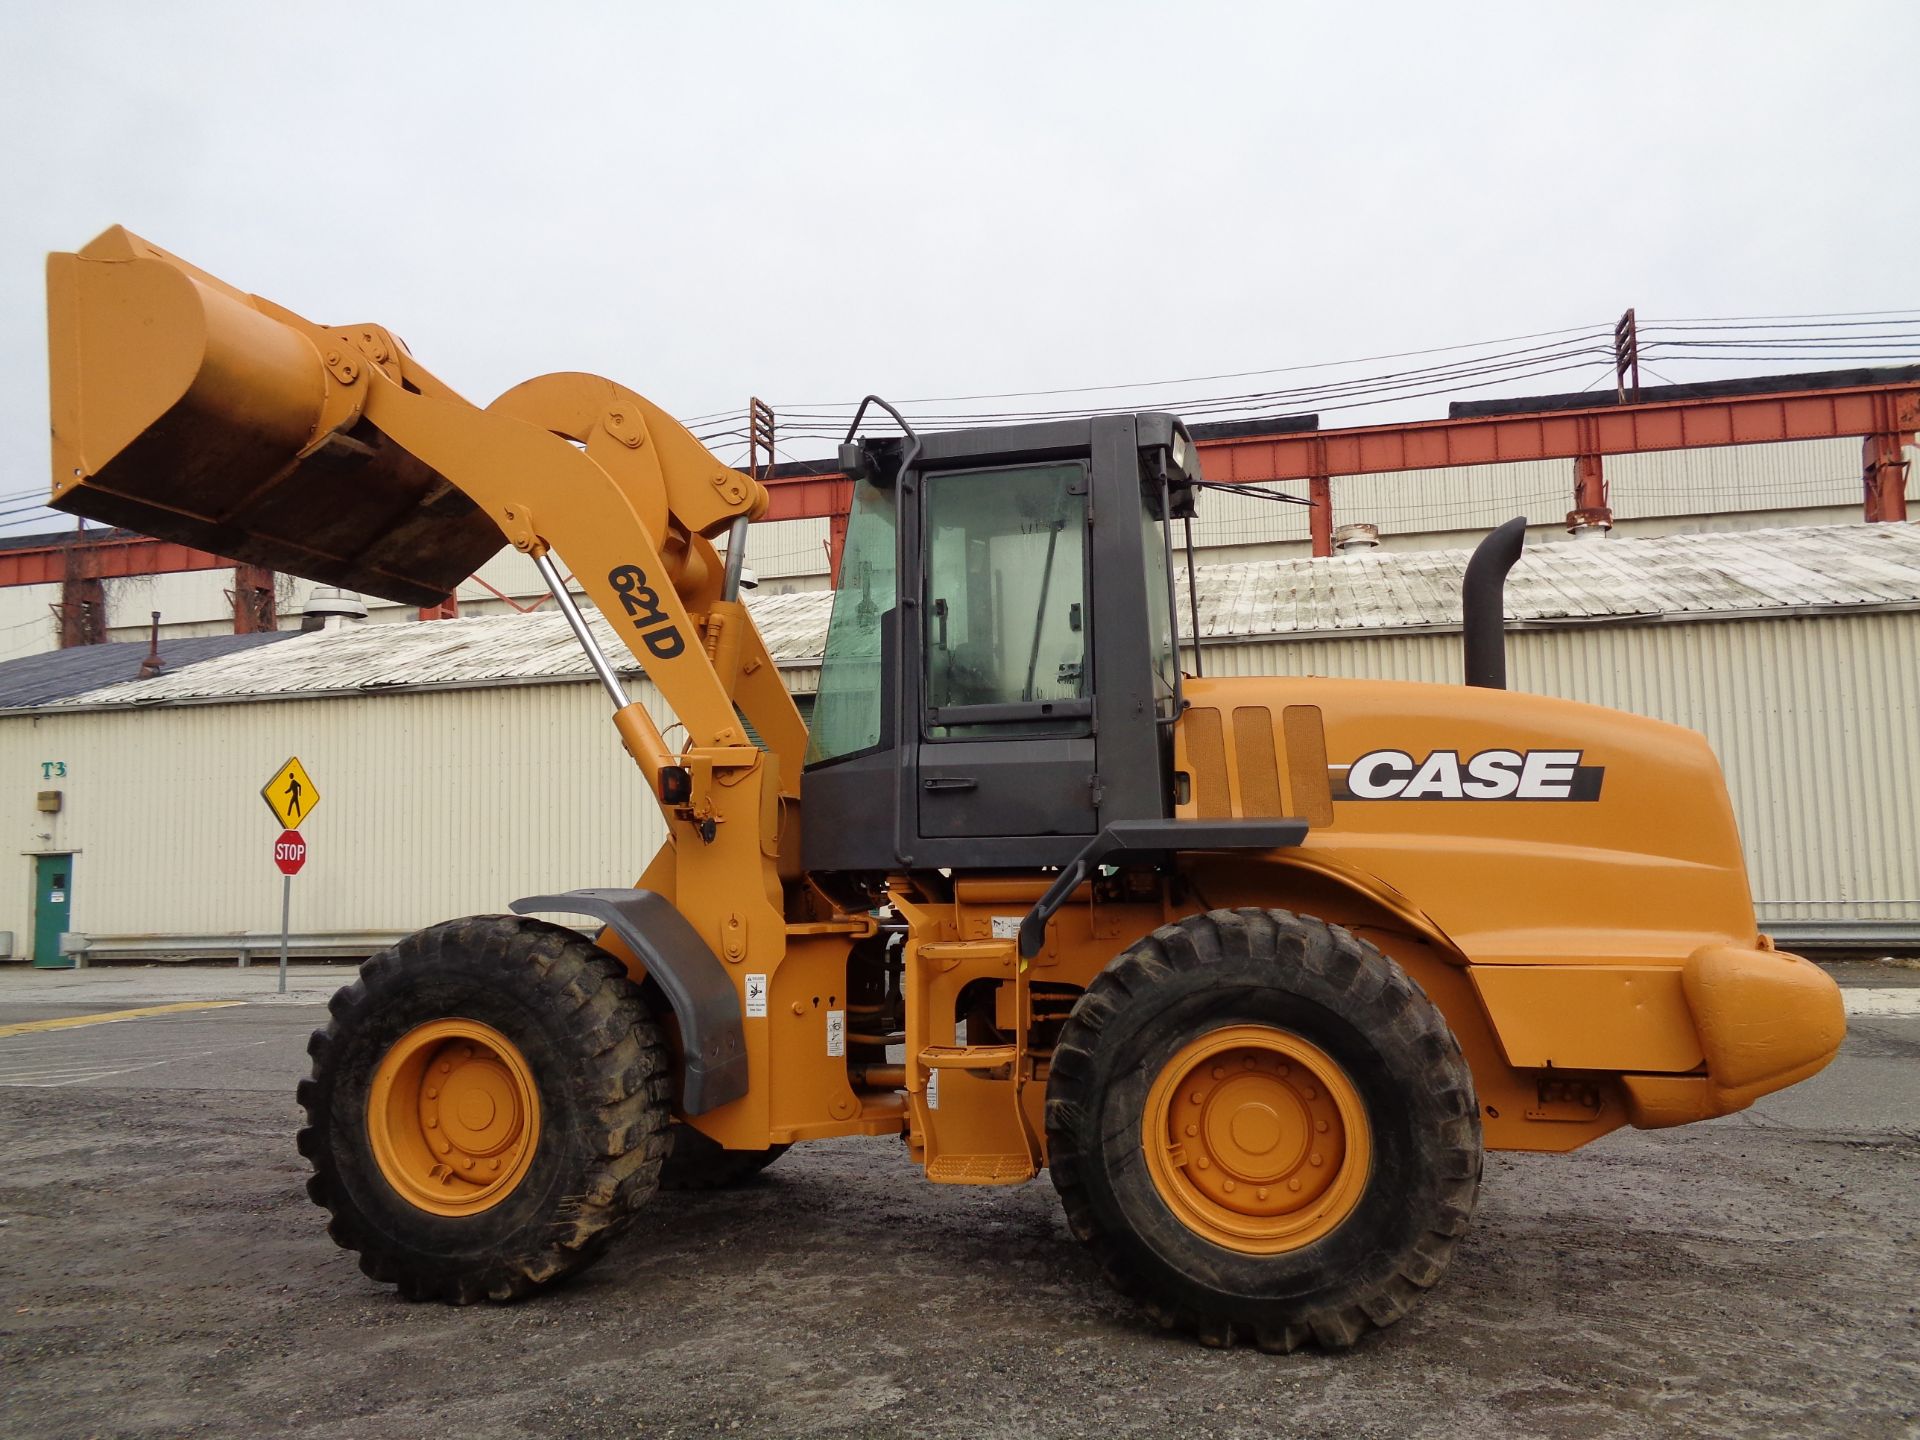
1796 652
462 763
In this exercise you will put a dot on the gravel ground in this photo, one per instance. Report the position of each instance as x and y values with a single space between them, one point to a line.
162 1274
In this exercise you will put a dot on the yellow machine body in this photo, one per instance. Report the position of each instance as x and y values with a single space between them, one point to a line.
1610 934
1595 953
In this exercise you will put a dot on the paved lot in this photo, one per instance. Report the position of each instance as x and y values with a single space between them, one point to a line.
162 1273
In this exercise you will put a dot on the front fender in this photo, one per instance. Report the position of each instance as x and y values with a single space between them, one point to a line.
689 974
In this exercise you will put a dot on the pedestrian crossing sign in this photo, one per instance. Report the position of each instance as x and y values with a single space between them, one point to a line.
291 794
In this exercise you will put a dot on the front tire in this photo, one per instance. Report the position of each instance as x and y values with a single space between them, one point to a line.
486 1110
1264 1130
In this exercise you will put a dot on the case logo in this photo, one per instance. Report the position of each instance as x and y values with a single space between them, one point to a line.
1488 775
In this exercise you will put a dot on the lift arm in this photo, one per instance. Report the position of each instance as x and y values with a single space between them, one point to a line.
192 411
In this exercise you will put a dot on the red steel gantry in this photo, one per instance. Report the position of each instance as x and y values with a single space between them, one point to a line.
1882 409
1884 414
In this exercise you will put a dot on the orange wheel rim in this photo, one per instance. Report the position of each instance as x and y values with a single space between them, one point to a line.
1256 1139
453 1117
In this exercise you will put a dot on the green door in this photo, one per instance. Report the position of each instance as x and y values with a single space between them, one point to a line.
52 909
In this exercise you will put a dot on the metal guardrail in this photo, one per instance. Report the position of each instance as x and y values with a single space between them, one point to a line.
242 947
1892 935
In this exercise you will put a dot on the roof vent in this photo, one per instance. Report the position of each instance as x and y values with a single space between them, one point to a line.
330 603
153 664
1356 539
1589 524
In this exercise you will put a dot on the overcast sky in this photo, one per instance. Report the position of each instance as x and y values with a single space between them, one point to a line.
807 202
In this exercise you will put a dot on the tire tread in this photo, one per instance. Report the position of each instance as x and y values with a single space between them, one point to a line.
626 1082
1374 991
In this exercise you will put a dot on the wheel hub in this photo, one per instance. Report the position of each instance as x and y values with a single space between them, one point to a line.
1256 1139
453 1116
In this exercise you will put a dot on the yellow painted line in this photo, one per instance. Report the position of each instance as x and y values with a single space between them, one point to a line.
73 1022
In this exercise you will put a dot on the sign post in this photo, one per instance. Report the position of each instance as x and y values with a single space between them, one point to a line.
289 853
291 796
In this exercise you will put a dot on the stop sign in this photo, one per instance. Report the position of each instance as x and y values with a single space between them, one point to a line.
290 852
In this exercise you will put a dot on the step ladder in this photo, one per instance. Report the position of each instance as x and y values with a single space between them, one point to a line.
969 1100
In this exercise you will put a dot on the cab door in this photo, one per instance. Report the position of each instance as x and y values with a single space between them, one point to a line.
1006 745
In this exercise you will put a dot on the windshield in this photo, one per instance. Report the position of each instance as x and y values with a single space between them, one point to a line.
846 714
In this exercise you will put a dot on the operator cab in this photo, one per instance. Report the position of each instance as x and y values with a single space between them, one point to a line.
1002 667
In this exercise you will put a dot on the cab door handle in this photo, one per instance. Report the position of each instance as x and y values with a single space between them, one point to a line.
949 782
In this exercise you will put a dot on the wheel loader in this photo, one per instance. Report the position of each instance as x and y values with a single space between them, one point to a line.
1255 967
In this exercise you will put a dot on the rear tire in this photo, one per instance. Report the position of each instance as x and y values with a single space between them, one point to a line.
558 1093
1264 1130
697 1162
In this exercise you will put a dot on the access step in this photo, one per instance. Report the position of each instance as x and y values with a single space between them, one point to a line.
981 1169
969 1057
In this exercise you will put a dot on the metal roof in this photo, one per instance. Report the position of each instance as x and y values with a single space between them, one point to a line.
793 626
1724 574
58 674
1673 577
348 658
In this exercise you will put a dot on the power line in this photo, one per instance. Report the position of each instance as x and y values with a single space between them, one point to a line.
1512 359
1903 317
1273 405
1593 331
1768 319
1227 375
814 418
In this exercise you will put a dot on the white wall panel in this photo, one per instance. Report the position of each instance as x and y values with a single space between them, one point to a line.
453 802
433 805
1423 508
26 620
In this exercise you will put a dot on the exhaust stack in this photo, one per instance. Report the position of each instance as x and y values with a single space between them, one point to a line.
1483 604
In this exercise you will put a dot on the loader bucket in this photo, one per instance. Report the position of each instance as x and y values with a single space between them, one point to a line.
193 412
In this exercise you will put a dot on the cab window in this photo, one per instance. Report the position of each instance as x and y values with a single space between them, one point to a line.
1006 607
